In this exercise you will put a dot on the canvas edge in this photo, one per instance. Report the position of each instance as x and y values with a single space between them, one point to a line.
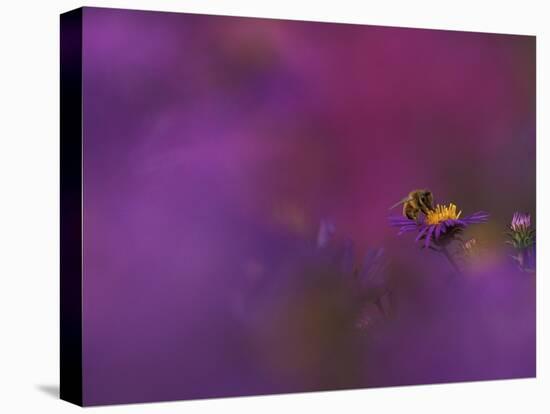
71 207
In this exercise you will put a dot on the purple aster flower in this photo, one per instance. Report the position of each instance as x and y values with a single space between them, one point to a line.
439 227
367 279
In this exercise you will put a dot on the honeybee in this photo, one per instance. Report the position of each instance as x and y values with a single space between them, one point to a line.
417 201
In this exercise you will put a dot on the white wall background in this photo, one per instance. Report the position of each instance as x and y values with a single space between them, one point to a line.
29 190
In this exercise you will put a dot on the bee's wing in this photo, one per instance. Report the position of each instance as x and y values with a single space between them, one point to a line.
399 203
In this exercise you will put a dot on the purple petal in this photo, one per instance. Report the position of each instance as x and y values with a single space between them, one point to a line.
449 223
421 233
407 228
438 231
399 221
477 217
429 236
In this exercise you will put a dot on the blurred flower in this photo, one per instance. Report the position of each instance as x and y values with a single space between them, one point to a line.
372 280
372 272
371 288
474 256
522 238
326 231
369 319
471 251
440 226
470 247
368 278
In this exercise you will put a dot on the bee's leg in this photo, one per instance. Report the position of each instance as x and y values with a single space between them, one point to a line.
410 213
425 208
422 207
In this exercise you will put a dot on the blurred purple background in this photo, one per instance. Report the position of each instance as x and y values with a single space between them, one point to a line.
213 148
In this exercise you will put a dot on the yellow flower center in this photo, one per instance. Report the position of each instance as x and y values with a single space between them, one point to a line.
442 213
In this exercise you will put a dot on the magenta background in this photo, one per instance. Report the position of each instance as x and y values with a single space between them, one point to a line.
213 146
